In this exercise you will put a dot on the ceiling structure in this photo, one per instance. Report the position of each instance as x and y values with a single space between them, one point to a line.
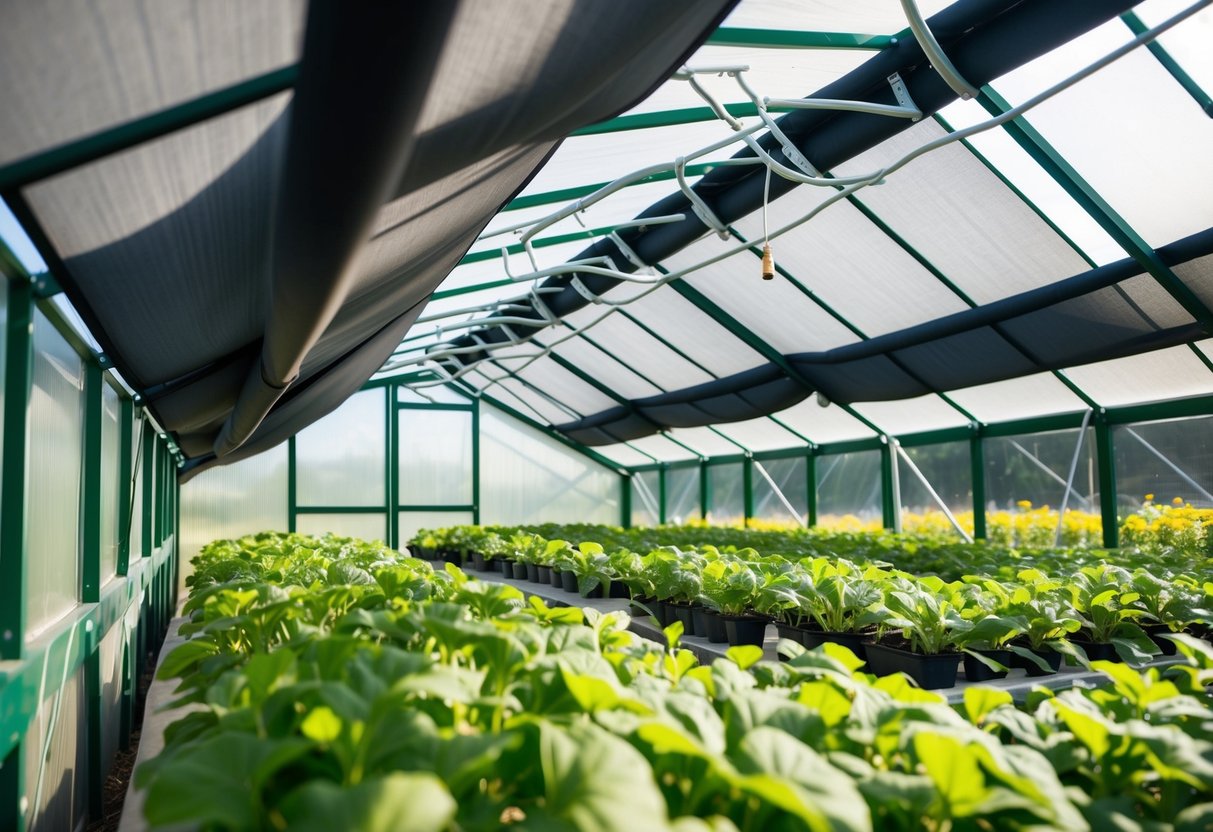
248 203
1054 257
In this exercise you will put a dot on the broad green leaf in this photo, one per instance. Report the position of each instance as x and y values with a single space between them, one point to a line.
980 701
393 802
321 725
597 782
744 655
953 768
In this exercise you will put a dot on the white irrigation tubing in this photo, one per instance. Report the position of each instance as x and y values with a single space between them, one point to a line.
858 182
934 52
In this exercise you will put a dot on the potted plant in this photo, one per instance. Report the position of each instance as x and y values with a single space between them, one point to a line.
1170 606
928 614
843 603
1105 610
729 589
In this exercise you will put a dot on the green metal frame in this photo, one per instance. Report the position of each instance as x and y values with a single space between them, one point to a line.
34 668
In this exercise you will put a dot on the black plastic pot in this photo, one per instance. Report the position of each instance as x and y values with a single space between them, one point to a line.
744 629
568 581
686 614
557 577
532 572
596 592
638 611
1099 650
1155 632
790 632
930 672
505 567
855 642
975 671
451 556
1052 658
618 590
664 612
545 575
518 570
479 563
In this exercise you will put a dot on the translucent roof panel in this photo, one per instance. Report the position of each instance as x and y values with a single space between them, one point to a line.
1018 398
564 386
868 16
962 218
661 448
1187 43
693 332
618 378
1166 141
853 266
583 160
911 415
1153 376
1198 274
776 310
706 441
128 61
764 434
628 341
823 424
776 73
623 454
1038 187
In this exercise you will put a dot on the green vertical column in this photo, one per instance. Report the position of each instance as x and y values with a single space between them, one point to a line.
90 569
391 470
1105 456
888 502
661 494
977 469
126 416
292 498
145 463
476 462
811 475
747 485
18 379
625 500
705 491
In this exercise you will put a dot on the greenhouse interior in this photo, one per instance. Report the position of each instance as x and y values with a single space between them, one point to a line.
703 415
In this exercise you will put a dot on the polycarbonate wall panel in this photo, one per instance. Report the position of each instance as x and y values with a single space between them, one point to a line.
435 457
234 500
412 522
1018 398
339 460
528 477
56 760
726 494
111 652
790 476
947 467
137 466
878 17
1170 460
646 497
681 495
1034 468
367 526
111 447
56 439
848 489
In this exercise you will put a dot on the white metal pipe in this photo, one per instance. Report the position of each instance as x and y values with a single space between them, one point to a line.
895 110
934 52
779 494
947 512
1166 461
1065 495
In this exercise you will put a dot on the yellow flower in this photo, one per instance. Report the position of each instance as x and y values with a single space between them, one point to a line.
1149 497
1177 501
1024 504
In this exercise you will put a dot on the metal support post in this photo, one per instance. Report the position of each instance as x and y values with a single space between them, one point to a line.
126 416
1105 454
662 495
292 478
625 500
811 475
1065 495
747 482
890 488
977 469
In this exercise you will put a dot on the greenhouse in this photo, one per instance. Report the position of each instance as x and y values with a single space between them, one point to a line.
548 415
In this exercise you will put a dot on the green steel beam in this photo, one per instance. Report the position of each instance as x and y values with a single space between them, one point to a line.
811 486
292 485
625 500
888 508
747 486
661 495
1138 27
14 480
1105 451
339 509
149 476
705 491
977 472
578 191
458 408
1153 411
794 39
476 465
665 118
391 465
121 137
126 450
90 476
1062 172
